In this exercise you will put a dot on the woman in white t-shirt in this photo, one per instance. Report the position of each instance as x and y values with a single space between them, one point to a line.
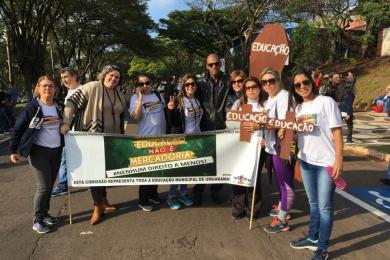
185 113
36 134
277 106
318 149
241 201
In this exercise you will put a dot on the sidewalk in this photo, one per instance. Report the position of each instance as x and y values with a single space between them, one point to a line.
371 135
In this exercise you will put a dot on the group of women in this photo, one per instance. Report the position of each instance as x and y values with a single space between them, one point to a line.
99 106
318 150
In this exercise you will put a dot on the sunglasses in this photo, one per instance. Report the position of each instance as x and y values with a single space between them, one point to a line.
252 87
305 82
271 81
216 64
237 81
47 86
141 84
190 84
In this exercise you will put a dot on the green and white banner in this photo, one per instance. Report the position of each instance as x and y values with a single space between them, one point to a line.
116 160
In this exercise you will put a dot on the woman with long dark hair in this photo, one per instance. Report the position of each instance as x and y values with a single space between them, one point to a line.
321 159
185 112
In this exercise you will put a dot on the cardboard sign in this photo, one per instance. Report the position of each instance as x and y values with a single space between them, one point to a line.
269 49
290 124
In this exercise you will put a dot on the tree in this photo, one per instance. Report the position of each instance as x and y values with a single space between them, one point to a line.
377 15
88 34
28 25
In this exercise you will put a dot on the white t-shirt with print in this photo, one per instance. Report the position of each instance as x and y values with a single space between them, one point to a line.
318 147
277 108
49 134
192 115
152 121
256 107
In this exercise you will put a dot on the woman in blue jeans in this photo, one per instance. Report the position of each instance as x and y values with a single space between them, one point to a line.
318 149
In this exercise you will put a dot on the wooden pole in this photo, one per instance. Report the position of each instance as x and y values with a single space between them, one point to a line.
69 207
252 207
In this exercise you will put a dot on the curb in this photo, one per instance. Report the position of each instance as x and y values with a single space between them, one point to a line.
370 153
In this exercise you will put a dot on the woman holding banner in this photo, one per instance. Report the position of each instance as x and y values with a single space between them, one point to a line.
277 106
185 113
242 196
36 134
321 159
98 107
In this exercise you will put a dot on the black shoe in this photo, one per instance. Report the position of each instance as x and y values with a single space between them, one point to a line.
197 199
155 200
385 181
216 198
238 216
349 142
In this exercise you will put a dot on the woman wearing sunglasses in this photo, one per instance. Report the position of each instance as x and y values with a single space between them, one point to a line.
36 135
277 105
241 201
147 107
235 92
185 112
317 150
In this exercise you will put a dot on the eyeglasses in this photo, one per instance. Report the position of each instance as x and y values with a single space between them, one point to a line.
237 81
190 84
216 64
141 84
305 82
270 81
252 87
47 86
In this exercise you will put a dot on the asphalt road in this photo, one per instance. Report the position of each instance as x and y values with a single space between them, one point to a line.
206 232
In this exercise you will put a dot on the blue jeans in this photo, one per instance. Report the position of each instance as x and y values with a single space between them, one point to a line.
320 193
62 173
173 189
388 172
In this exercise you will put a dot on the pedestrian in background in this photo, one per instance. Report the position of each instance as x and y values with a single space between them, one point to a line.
36 135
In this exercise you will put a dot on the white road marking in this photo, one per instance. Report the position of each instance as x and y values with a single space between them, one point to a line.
364 205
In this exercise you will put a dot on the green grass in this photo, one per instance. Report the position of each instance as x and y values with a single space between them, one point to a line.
19 107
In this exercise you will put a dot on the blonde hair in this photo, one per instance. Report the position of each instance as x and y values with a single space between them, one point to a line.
107 69
272 71
40 79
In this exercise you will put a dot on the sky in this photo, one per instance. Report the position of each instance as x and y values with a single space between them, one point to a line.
161 8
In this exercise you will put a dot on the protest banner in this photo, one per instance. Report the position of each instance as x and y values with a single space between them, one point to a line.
117 160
